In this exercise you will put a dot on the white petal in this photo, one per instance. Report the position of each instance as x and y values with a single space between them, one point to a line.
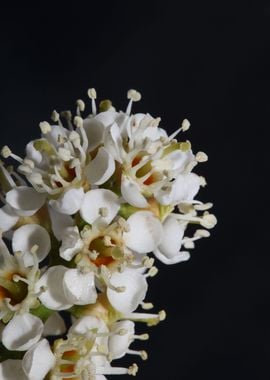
38 361
25 237
180 159
60 222
101 168
22 332
145 232
184 188
33 154
131 193
79 287
69 202
97 199
107 118
178 258
135 290
86 324
113 142
99 377
12 369
53 297
94 130
8 218
24 200
172 237
71 243
168 250
54 325
119 343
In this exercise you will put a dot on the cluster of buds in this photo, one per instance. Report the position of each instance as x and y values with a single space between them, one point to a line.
84 215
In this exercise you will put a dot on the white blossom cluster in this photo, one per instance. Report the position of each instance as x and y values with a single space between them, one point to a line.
82 215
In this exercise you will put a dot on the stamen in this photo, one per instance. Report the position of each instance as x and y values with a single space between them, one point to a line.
152 272
141 337
185 125
132 370
68 116
55 116
78 122
147 305
201 157
134 96
203 207
93 95
64 154
6 152
80 107
142 354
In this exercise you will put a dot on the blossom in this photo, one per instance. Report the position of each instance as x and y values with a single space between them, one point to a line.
93 203
17 298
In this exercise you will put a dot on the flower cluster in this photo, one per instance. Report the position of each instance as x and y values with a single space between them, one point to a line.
81 214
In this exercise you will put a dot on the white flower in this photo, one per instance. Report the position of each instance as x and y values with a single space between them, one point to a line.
17 297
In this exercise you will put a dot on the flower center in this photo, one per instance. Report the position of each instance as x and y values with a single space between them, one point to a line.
15 291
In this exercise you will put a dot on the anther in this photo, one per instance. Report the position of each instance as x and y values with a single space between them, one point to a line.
92 93
55 116
80 104
202 233
162 315
185 125
201 157
64 154
5 152
152 272
133 369
134 95
147 305
45 127
78 121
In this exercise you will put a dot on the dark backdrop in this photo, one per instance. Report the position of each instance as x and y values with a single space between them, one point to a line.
205 61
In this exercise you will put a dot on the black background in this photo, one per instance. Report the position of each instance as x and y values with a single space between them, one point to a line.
209 62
